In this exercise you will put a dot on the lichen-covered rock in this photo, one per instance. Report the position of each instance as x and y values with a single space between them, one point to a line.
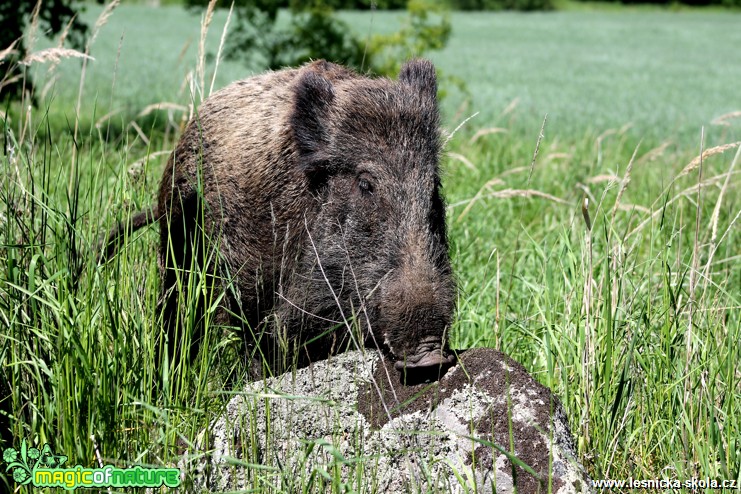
486 426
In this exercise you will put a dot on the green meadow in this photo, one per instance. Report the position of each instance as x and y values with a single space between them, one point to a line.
628 308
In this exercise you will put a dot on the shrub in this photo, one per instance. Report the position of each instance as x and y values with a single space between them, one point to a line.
297 5
524 5
314 31
426 27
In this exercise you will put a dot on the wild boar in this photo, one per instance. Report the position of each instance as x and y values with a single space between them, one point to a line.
319 189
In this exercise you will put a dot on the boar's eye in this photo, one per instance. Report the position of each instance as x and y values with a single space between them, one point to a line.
365 184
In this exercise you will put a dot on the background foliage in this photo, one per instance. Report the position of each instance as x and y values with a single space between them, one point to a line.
314 31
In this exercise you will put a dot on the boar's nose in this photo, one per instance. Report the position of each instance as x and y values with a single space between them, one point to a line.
428 362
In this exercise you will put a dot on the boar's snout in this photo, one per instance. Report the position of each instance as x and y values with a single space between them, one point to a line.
429 354
416 312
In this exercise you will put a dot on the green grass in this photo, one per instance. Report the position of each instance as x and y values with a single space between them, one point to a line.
645 357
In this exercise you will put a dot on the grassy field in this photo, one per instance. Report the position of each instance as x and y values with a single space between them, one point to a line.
634 323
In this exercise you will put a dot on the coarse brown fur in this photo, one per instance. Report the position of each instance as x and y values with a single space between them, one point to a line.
310 196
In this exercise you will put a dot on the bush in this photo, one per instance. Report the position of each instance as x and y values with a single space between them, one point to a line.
426 27
523 5
312 33
315 32
297 5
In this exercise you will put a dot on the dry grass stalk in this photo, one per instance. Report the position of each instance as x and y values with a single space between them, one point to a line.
541 135
8 51
190 83
693 164
504 194
164 105
51 77
693 275
616 259
485 132
686 192
655 153
617 435
149 156
140 132
488 185
33 28
186 84
510 107
364 311
633 207
221 46
102 21
687 169
731 259
496 313
135 167
9 81
463 160
513 171
724 119
26 125
588 351
723 189
714 180
345 320
205 23
604 135
498 181
705 155
558 156
106 117
53 55
716 215
730 227
184 50
65 32
30 43
607 177
510 193
99 23
625 128
625 181
98 456
462 108
115 67
464 122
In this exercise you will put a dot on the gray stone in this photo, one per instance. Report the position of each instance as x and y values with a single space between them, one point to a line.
350 420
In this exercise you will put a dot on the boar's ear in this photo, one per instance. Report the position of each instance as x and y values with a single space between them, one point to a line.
313 99
421 74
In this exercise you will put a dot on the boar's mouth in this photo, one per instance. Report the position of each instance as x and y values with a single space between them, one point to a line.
428 362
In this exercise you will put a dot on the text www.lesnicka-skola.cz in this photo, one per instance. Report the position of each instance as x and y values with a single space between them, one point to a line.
691 484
